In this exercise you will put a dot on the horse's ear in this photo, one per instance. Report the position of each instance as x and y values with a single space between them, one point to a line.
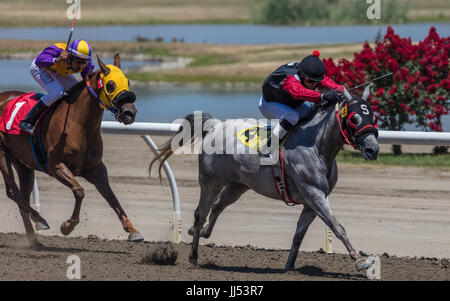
347 94
103 67
366 93
117 60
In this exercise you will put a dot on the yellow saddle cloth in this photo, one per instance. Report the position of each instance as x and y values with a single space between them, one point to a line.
256 136
251 137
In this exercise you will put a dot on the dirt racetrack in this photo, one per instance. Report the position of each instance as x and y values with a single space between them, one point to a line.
397 211
122 260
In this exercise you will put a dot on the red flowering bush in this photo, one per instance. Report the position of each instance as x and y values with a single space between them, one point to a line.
417 92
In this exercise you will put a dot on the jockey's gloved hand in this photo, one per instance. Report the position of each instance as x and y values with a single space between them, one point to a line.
330 98
63 56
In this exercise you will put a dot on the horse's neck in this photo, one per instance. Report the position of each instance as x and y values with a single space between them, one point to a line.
329 141
87 111
322 133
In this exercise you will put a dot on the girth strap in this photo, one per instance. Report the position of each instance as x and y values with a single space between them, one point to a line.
280 182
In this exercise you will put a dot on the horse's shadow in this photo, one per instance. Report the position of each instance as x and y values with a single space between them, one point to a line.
237 269
80 250
311 270
307 270
64 250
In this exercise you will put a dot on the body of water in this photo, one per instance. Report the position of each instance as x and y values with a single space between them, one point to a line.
162 104
228 33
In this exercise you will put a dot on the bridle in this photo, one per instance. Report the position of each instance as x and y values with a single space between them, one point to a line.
346 125
101 86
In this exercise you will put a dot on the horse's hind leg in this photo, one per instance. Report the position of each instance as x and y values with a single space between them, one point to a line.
26 181
99 177
208 193
306 218
15 194
230 194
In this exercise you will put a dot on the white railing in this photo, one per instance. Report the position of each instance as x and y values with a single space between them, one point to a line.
145 129
384 137
414 138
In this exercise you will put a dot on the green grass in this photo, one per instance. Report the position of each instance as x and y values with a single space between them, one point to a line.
191 78
327 12
158 52
416 160
208 60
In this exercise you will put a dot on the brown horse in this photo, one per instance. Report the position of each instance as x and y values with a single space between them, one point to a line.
71 138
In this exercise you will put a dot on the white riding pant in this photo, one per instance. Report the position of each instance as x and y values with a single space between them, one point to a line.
53 83
276 110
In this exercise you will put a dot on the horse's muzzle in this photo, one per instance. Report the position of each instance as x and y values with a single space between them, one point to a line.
127 113
368 145
124 103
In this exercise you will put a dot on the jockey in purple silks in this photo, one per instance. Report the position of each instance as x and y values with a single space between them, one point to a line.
53 70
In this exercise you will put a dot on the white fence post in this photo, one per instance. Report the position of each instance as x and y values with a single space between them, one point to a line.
176 221
36 203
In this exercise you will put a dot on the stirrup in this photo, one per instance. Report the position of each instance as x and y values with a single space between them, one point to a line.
26 127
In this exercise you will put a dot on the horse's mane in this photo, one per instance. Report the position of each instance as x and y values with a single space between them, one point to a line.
317 116
75 90
78 86
310 129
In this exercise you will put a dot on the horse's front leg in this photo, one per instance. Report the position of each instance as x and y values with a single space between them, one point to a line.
63 174
99 178
317 201
306 218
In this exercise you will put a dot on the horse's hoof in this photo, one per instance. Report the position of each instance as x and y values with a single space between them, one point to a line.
135 237
37 246
193 261
193 256
191 231
289 268
204 233
65 230
362 264
42 225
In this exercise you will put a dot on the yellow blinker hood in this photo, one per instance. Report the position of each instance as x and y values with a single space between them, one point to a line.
112 85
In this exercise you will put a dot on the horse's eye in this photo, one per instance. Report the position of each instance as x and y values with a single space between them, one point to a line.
110 86
356 119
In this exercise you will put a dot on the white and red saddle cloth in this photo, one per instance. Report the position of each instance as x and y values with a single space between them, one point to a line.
16 110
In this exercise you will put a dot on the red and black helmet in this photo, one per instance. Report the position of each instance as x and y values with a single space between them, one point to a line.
312 67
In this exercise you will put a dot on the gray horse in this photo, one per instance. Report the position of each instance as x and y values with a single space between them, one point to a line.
311 173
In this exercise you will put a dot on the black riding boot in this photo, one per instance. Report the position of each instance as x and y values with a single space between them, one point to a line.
279 132
29 123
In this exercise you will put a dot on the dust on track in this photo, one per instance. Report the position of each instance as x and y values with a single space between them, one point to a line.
103 259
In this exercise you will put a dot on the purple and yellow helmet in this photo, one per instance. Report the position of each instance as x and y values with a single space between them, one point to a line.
80 49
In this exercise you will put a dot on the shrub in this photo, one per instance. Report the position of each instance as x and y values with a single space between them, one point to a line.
417 92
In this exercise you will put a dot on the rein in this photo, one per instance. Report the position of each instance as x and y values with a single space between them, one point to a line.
344 133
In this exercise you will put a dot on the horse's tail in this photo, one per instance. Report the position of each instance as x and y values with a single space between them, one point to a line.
166 150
